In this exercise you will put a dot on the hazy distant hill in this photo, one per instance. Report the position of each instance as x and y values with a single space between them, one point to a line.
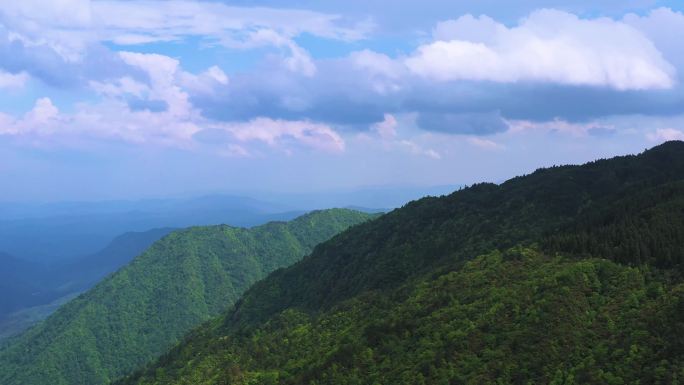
570 275
53 232
29 291
82 273
17 288
142 310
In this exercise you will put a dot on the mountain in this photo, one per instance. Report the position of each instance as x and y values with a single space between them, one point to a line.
570 275
373 198
17 290
31 291
69 230
82 273
142 310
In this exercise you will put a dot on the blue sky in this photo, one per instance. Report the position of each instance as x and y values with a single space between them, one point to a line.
128 99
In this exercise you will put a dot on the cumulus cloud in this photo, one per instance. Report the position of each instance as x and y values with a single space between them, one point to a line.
476 76
548 46
663 27
42 119
385 134
551 65
8 80
206 82
279 132
296 58
381 71
163 73
387 129
126 112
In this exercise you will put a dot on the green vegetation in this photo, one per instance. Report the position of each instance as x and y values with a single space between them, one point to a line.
21 320
142 310
570 275
31 291
518 317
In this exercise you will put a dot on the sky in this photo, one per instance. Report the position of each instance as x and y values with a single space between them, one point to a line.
123 99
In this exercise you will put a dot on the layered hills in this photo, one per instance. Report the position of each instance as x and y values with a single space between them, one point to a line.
143 309
570 275
30 291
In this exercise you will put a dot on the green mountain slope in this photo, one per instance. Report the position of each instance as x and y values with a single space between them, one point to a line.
31 291
490 284
139 312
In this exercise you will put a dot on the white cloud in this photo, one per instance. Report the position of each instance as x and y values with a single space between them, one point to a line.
665 134
548 46
387 129
217 74
113 117
387 136
296 59
108 119
41 119
8 80
121 87
300 61
63 25
481 29
234 151
164 19
163 72
417 149
664 27
383 72
376 64
278 132
68 26
67 13
43 112
484 143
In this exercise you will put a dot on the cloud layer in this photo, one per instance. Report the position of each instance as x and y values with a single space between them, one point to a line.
240 81
548 46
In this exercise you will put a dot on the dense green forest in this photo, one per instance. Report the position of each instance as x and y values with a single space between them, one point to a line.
30 291
570 275
143 309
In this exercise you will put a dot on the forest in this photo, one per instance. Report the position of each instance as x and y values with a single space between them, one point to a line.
570 275
142 310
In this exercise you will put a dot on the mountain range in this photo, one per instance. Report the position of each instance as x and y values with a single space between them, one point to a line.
570 275
30 291
143 309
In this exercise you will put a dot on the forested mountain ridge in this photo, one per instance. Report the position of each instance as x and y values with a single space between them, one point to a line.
29 291
494 283
140 311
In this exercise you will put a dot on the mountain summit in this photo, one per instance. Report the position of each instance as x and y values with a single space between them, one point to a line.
569 275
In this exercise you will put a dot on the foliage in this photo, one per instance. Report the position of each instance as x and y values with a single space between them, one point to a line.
31 291
403 300
518 317
142 310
